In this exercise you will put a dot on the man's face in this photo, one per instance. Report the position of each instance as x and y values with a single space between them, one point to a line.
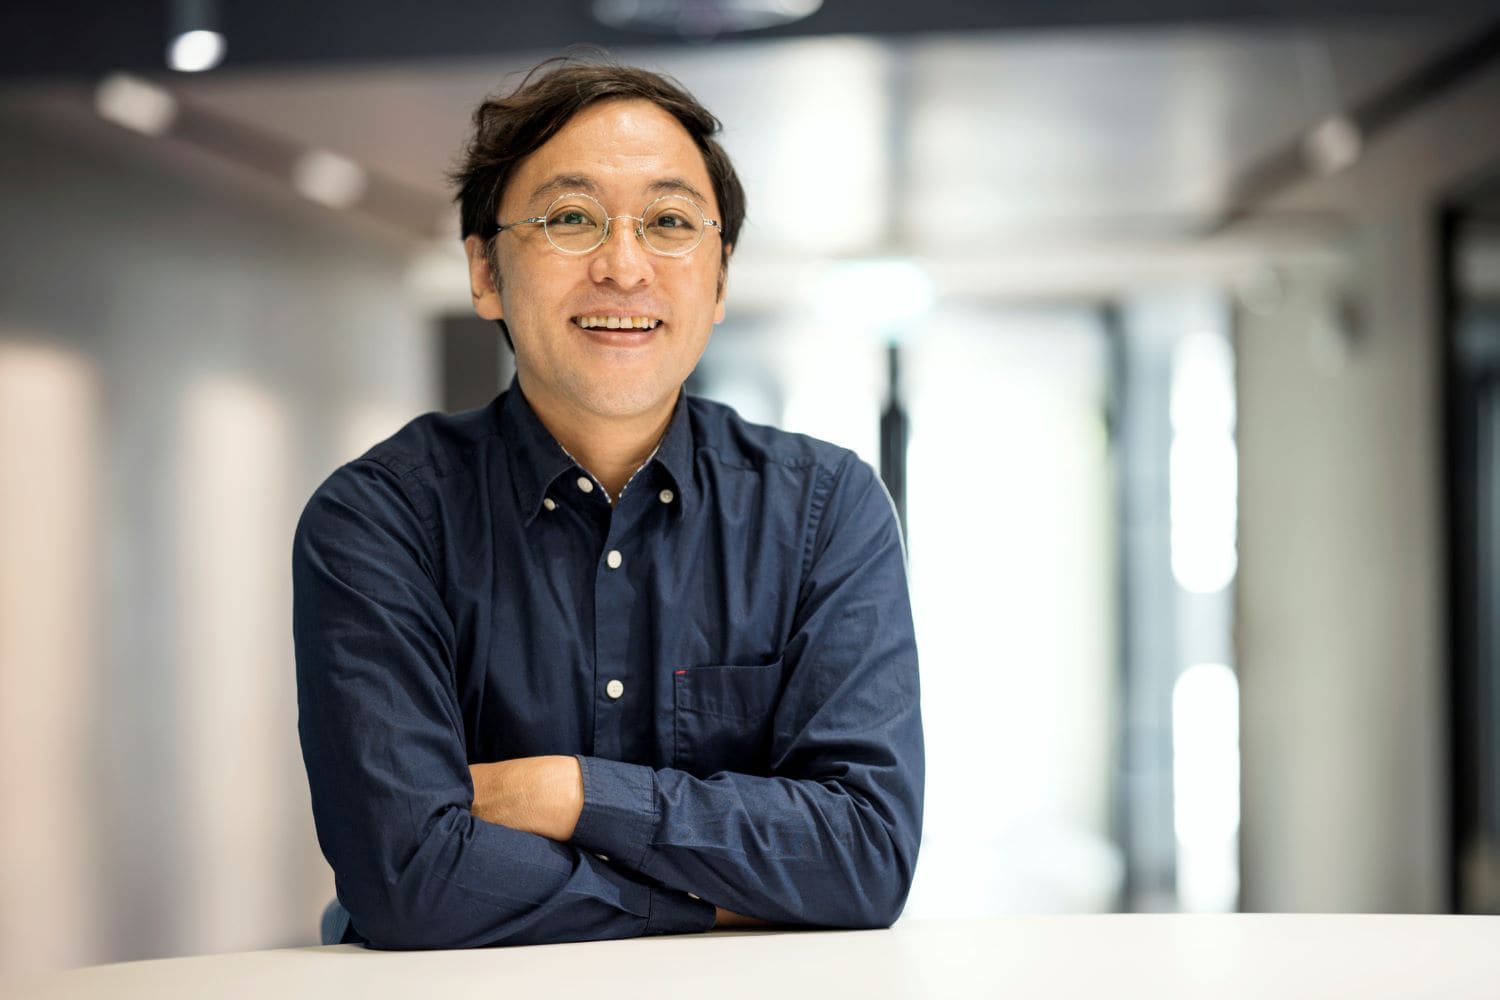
625 153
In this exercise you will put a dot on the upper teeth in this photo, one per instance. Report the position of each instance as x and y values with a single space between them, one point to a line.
618 322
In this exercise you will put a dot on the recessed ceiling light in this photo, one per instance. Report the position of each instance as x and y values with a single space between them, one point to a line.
702 17
132 102
1334 145
196 51
328 179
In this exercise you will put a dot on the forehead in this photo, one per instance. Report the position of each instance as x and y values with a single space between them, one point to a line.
621 149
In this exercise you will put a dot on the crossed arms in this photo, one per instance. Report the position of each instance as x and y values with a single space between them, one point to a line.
429 851
544 796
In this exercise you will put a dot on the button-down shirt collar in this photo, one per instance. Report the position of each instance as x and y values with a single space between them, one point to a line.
537 459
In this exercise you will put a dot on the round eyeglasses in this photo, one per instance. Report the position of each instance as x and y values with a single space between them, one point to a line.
576 223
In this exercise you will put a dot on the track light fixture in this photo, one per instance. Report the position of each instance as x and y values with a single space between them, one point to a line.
196 38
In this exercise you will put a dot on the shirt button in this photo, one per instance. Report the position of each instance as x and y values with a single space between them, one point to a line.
665 496
585 484
692 895
613 559
614 689
549 503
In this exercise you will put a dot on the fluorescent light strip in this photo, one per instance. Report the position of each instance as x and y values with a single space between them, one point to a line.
236 682
50 562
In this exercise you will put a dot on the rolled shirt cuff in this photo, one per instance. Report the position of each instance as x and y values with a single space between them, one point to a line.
619 810
618 822
674 912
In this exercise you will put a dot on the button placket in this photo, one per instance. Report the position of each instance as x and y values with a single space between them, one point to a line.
619 724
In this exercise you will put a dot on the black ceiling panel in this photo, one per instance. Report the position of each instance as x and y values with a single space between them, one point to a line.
40 39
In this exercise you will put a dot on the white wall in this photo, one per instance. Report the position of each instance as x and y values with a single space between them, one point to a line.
193 356
1342 626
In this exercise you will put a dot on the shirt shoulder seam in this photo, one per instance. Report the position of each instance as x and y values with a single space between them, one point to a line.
822 493
406 471
425 513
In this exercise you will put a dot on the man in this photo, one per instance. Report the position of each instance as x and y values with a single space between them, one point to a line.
602 660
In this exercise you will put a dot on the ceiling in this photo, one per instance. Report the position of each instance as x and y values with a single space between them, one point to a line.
61 38
963 146
1015 134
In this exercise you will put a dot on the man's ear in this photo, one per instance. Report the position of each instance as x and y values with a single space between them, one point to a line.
723 283
484 290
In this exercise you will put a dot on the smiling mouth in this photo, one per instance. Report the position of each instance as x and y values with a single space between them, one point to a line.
616 322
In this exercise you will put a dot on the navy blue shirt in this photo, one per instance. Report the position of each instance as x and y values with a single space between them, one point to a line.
727 649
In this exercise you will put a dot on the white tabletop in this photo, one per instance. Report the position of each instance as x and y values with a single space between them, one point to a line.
1223 957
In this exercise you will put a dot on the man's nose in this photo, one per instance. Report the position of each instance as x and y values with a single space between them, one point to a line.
623 258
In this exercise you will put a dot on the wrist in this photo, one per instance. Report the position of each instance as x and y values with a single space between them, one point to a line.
566 796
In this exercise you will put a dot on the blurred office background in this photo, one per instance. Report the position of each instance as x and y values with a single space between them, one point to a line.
1172 324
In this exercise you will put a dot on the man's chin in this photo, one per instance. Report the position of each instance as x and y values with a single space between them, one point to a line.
628 401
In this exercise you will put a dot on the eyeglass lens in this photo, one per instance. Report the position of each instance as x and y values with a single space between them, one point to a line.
671 225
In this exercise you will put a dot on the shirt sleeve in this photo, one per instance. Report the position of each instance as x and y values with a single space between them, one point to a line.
381 734
830 836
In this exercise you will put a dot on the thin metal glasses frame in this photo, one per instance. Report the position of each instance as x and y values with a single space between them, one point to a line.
639 227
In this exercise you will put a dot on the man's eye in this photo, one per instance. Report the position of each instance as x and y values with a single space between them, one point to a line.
671 220
570 217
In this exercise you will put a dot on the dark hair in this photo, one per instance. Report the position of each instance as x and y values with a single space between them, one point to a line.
509 128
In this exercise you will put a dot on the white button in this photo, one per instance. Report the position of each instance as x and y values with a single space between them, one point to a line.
585 484
614 689
665 496
602 857
613 559
692 895
549 503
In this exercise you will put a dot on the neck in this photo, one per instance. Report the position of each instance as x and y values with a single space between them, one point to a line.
611 449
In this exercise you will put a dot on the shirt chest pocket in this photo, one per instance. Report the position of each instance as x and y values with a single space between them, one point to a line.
722 718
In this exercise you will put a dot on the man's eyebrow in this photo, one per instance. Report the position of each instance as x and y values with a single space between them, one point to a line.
581 182
566 182
676 185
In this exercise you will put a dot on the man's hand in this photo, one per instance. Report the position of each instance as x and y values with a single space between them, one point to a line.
727 918
541 795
